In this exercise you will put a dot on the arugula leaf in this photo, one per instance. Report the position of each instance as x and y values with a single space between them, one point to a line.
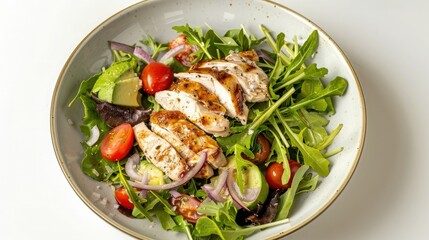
206 227
308 183
267 113
155 46
312 156
330 138
165 203
195 37
336 87
286 199
243 232
276 44
95 166
279 148
164 218
307 49
85 87
133 195
222 213
223 218
311 72
183 226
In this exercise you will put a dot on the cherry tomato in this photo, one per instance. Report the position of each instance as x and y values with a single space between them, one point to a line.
183 57
187 207
263 152
117 143
123 199
273 175
156 77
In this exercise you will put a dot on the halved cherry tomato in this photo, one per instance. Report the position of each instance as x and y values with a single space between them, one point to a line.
183 57
117 143
273 175
187 207
156 77
123 199
263 151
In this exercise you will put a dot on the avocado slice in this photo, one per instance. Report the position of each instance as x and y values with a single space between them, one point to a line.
106 82
156 176
126 92
253 178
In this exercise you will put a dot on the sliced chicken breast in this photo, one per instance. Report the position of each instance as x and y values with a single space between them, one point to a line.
187 138
200 93
252 79
225 86
159 152
196 112
185 152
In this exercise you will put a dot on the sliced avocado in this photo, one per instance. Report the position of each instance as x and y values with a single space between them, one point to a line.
156 176
106 82
126 92
253 178
126 75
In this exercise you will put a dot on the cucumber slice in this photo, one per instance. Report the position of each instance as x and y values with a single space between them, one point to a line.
253 178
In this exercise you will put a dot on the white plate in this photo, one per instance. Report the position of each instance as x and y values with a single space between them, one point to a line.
156 18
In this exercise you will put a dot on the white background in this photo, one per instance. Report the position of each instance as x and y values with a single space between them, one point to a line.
387 41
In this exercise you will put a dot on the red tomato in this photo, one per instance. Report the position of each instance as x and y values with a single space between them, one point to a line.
156 77
117 143
273 175
183 57
263 152
187 207
123 199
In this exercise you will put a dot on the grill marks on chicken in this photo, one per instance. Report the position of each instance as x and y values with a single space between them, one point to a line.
253 80
174 145
189 136
224 86
198 92
195 111
159 152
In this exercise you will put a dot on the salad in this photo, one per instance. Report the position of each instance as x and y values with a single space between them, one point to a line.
212 134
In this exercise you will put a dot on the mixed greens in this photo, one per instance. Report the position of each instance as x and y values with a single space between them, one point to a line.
293 120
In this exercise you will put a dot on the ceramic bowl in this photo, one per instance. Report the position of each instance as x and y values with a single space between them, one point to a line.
156 17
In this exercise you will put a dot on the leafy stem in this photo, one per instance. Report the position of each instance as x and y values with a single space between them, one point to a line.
264 117
132 194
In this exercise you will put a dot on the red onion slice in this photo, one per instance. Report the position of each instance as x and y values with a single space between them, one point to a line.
213 192
94 135
130 167
174 193
145 180
234 195
173 52
265 56
250 194
121 47
175 184
143 55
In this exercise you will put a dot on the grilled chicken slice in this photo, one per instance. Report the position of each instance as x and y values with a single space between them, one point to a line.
185 152
200 93
195 111
187 138
159 152
225 86
252 79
